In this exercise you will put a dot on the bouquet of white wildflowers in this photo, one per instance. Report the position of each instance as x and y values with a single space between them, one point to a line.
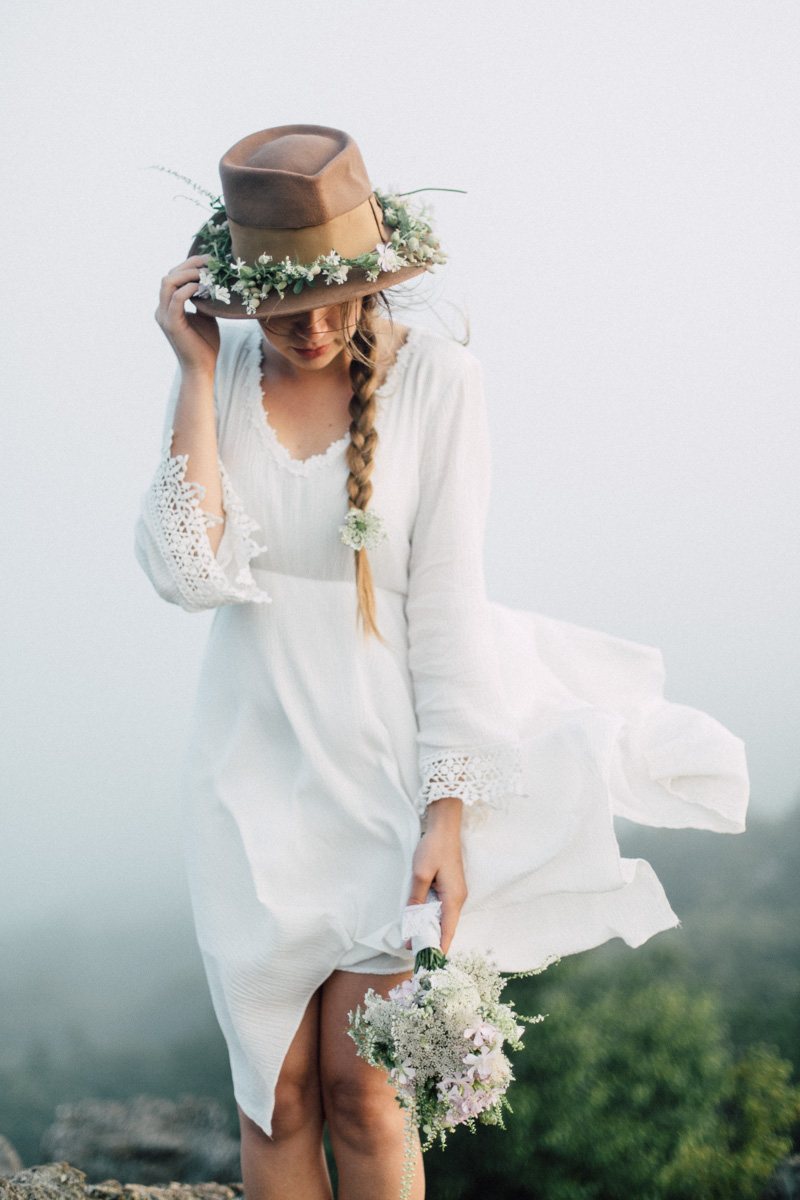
442 1036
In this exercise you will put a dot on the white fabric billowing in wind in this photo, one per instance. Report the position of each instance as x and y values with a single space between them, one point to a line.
314 752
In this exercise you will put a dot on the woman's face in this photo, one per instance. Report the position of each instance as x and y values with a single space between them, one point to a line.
312 340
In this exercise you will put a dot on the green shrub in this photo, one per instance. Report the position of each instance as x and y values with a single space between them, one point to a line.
757 1106
628 1090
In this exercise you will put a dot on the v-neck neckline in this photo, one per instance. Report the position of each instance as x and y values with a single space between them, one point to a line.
260 414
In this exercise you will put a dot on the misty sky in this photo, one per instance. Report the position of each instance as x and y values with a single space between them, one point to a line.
626 254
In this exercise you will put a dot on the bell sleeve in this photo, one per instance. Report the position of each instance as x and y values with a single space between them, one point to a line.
172 543
467 746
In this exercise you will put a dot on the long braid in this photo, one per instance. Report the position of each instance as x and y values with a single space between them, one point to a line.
361 451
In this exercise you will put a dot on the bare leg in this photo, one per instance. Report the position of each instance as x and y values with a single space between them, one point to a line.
365 1123
290 1165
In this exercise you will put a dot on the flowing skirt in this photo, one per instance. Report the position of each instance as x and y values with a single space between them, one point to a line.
299 845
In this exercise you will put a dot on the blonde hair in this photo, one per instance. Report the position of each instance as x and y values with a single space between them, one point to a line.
361 342
362 345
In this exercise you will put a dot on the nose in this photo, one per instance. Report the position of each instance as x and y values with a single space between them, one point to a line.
315 321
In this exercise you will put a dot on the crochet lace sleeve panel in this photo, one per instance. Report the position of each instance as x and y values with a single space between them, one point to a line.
480 778
173 545
468 746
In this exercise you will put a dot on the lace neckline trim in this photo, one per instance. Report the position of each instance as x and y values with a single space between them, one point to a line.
259 414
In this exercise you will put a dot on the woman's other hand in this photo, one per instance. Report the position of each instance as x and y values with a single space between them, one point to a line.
193 336
438 864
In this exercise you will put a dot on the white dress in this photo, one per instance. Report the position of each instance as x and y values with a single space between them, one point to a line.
314 751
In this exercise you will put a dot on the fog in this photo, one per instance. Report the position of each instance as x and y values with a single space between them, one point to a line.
626 256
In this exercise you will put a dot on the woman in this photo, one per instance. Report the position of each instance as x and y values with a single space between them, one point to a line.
338 714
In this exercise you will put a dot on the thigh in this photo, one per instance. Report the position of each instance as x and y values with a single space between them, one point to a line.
342 992
298 1100
302 1058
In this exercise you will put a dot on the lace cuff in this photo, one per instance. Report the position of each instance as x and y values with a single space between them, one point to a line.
480 778
179 525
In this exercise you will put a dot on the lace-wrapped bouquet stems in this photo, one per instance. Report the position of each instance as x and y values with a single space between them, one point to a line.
442 1036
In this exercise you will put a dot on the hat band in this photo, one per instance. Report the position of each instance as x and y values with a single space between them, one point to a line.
353 233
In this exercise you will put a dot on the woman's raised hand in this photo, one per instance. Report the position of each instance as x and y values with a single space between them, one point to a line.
193 336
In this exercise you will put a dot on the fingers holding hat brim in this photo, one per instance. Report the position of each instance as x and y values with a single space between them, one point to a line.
312 296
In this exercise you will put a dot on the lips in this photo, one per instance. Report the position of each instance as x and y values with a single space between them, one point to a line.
309 352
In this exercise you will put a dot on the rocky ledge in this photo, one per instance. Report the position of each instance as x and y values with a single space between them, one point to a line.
145 1140
59 1181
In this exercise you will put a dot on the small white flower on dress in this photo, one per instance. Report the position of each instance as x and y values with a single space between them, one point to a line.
362 530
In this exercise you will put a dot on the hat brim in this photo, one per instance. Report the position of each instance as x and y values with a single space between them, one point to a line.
318 295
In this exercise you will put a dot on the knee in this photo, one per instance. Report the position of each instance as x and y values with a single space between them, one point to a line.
297 1105
364 1115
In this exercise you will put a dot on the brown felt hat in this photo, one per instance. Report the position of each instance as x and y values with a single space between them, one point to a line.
300 191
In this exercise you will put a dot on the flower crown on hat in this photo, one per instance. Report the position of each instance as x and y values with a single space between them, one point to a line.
412 243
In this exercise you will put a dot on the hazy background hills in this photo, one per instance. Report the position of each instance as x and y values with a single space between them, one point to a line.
114 1010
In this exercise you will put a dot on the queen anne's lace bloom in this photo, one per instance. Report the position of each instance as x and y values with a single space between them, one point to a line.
362 530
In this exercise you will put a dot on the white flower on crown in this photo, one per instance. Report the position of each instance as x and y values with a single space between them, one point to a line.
206 282
338 276
388 258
